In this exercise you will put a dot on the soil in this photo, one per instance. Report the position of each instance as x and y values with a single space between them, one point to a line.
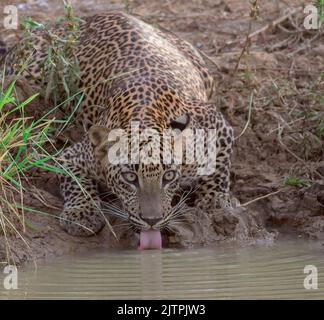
281 72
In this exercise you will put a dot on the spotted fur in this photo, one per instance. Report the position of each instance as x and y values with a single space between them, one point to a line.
132 71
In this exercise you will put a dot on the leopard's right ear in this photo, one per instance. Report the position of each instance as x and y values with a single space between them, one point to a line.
98 136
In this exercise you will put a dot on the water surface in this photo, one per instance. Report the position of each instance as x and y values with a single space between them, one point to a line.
221 272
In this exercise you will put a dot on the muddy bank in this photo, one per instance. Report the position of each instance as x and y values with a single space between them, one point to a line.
298 214
272 94
44 239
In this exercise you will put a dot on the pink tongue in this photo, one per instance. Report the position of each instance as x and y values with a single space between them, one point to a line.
150 239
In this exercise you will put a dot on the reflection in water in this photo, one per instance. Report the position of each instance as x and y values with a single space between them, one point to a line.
214 273
151 274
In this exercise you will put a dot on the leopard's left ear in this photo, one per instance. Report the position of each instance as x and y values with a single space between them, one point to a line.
181 123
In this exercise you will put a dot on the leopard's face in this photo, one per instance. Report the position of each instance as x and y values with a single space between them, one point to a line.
145 189
146 192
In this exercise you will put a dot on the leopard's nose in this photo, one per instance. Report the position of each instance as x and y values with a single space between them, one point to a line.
152 221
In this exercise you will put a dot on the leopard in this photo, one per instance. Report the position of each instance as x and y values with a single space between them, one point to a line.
132 72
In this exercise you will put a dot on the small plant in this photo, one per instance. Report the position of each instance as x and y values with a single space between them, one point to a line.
320 8
319 128
60 67
248 75
296 182
254 9
127 6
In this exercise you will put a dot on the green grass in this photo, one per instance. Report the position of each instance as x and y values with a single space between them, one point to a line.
22 141
296 182
24 145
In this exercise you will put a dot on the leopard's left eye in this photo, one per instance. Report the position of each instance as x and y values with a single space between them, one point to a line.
169 176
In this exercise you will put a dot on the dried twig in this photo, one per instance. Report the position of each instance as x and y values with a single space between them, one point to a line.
274 23
266 27
280 129
262 197
249 117
38 195
306 45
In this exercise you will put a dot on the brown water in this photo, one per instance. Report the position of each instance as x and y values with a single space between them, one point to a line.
214 273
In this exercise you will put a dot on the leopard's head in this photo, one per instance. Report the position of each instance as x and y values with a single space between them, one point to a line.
145 186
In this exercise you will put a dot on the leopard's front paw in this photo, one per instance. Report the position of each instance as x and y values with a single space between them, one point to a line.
82 221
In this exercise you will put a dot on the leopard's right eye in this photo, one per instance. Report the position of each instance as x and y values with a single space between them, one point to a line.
130 177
